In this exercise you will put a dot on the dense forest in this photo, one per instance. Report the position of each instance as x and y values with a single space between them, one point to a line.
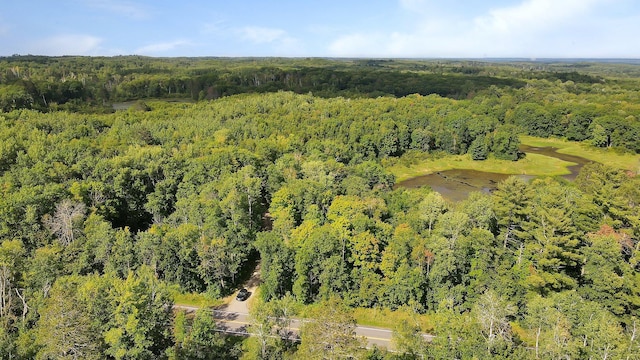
106 214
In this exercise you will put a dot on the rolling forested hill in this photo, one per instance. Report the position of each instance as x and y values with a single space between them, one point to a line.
106 215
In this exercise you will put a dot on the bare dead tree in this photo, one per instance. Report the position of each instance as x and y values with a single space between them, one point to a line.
5 288
25 308
62 222
492 313
11 254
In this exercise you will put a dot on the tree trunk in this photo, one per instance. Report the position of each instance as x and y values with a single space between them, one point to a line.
538 342
5 289
25 308
632 338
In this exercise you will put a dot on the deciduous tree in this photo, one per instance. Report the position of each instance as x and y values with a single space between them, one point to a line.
331 334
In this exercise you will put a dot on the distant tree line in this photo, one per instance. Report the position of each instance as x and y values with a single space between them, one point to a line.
540 103
27 84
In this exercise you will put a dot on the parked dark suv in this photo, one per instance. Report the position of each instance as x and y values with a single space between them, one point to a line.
242 295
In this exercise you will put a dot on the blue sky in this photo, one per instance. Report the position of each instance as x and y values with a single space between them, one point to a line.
327 28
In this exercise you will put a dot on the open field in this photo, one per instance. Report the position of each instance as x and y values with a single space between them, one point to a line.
624 161
533 164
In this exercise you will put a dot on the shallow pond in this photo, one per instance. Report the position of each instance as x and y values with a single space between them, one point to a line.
456 185
125 105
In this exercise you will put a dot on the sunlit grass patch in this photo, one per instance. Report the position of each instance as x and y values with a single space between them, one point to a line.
626 161
532 164
390 319
378 317
195 300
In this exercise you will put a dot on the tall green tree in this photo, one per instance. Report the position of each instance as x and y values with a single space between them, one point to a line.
603 273
11 262
65 328
203 341
139 326
331 334
457 334
492 314
510 202
505 143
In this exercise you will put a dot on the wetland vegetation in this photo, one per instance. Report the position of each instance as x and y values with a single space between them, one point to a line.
456 178
108 217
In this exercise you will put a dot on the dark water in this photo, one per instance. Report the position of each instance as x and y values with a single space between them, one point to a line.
456 185
552 152
127 104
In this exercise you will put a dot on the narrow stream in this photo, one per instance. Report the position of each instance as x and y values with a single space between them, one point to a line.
553 152
456 184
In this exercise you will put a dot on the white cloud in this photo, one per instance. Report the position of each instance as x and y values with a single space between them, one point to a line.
124 8
279 40
531 28
543 28
163 47
68 44
533 15
358 45
216 27
261 35
257 40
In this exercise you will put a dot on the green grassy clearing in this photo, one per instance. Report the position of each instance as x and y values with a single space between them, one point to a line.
195 300
618 160
533 164
383 318
389 319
